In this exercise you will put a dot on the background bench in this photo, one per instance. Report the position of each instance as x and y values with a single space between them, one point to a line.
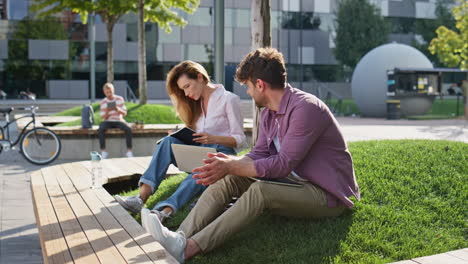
81 225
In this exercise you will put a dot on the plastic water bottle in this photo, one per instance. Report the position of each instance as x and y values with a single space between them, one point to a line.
96 170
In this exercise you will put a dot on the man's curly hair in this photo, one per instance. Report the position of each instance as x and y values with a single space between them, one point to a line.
266 64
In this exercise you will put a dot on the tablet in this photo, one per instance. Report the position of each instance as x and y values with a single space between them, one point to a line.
282 181
111 105
190 157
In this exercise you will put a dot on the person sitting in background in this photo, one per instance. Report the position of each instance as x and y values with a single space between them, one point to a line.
27 95
113 111
212 112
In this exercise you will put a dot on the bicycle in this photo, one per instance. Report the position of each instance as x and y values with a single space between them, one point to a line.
38 145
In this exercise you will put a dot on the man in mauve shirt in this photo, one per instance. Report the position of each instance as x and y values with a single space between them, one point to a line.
299 139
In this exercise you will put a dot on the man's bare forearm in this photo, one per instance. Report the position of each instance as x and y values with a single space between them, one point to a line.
242 166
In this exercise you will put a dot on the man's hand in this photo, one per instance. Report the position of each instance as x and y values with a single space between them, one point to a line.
217 166
204 138
120 111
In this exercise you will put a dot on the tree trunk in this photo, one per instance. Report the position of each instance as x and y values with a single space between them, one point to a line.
261 37
143 91
110 52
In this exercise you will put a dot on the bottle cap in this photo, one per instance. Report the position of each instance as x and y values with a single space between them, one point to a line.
95 155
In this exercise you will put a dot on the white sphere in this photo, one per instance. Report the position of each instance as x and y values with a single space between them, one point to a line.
369 82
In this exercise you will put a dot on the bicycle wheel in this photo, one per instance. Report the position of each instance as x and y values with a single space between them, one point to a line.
40 146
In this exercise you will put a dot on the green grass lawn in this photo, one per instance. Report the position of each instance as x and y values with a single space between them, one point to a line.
148 113
441 109
414 195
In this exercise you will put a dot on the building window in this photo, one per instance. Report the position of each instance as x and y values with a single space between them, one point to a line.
18 9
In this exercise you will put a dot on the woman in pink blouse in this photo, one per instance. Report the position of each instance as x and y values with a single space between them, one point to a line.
207 108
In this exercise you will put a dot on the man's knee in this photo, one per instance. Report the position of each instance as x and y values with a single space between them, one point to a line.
127 129
221 186
226 181
259 191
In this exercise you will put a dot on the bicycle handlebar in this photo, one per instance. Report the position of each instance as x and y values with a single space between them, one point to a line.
30 108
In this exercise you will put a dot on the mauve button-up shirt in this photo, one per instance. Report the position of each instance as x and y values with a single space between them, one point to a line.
311 145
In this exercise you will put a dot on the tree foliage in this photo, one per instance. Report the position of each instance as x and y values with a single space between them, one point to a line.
451 46
163 12
109 10
426 29
158 11
19 65
360 28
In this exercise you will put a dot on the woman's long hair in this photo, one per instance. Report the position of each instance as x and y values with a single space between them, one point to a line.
187 109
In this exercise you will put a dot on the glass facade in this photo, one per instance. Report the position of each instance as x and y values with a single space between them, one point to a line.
35 52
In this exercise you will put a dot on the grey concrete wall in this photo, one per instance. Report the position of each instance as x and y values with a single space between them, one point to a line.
401 8
67 89
79 148
157 90
48 49
120 88
119 33
172 52
126 51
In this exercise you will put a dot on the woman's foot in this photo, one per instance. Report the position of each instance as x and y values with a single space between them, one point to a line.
131 203
162 215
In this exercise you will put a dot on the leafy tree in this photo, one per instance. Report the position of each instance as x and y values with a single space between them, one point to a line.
451 46
161 12
426 29
109 10
360 28
260 18
19 66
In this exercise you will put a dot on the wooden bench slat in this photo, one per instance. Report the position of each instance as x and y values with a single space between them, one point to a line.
154 249
125 243
102 245
54 246
144 161
107 172
125 166
78 243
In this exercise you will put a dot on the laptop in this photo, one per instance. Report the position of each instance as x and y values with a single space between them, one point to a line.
282 181
190 157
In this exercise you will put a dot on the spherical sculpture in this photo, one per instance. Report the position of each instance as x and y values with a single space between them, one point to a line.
369 82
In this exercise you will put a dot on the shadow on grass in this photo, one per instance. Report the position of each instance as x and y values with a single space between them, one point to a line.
134 108
275 239
271 238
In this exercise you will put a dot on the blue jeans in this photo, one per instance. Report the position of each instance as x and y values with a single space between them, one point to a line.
162 158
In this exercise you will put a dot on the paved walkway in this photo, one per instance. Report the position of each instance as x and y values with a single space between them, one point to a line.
19 242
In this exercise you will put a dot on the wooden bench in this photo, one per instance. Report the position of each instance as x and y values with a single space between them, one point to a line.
78 224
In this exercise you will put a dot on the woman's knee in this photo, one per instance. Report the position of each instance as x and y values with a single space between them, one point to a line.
169 140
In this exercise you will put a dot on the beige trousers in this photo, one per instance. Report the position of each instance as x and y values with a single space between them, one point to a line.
209 225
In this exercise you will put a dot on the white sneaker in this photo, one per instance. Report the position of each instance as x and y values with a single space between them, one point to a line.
173 242
144 218
129 154
104 154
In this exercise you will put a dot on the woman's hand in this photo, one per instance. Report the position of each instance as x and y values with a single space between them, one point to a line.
204 138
